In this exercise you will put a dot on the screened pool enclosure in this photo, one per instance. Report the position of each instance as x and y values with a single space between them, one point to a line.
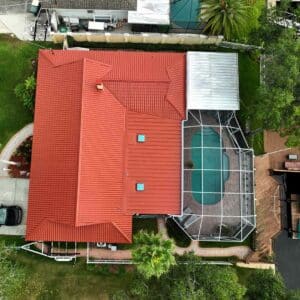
218 181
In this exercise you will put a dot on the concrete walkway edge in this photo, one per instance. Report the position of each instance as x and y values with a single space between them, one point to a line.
12 146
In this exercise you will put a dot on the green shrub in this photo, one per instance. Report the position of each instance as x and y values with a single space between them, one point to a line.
26 92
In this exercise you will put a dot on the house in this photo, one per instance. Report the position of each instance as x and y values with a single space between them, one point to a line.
107 143
100 16
120 134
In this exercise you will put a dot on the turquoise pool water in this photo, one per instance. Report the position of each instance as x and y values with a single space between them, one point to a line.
208 181
184 13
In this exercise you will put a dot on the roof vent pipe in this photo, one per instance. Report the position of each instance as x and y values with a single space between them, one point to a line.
100 86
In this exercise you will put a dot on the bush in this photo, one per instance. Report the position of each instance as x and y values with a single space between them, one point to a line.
266 285
152 254
26 92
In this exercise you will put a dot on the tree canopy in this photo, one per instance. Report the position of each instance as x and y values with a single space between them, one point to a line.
266 285
226 17
152 254
232 18
277 107
189 280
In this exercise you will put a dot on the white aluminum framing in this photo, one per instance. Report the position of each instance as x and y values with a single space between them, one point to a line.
220 121
33 248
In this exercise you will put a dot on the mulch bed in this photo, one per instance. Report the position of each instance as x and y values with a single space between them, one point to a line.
17 171
22 156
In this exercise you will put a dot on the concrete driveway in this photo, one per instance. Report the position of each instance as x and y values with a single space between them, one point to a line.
14 191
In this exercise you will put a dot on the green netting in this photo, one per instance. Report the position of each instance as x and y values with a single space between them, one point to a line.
184 13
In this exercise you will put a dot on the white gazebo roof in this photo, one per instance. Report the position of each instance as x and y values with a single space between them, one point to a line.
212 81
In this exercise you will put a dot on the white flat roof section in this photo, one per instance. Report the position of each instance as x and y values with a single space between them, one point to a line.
212 81
150 12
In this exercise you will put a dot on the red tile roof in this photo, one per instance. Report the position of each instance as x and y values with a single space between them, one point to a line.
86 160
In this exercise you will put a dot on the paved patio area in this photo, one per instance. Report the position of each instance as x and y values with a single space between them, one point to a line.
18 24
94 253
14 191
267 192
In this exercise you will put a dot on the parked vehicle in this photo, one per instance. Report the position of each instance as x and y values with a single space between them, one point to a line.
10 215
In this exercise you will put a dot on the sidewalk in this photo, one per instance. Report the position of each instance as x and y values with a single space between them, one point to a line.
18 24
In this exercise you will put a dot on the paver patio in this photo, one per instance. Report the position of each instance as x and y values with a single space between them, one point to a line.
267 192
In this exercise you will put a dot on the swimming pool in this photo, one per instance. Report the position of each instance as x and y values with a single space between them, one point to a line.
210 181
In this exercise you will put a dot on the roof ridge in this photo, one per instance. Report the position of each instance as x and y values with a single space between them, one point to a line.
121 231
85 62
169 72
80 145
136 81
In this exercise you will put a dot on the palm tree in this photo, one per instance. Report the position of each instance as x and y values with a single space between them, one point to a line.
152 254
225 17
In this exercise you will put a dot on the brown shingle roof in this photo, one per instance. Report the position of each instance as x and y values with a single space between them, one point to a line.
91 4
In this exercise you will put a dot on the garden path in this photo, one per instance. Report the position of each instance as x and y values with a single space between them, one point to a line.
241 252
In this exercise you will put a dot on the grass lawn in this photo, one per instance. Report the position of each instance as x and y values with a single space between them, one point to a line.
69 280
246 242
81 281
15 67
249 82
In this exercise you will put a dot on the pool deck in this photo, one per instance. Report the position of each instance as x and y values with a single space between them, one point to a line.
230 205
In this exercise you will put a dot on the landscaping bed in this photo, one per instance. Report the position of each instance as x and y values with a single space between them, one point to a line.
138 224
249 75
176 233
146 224
22 157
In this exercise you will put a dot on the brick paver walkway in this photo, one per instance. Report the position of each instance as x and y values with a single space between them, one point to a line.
241 252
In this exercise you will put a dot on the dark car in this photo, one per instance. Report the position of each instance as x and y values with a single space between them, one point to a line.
10 215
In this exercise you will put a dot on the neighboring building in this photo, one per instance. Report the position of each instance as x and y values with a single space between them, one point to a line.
100 16
119 134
